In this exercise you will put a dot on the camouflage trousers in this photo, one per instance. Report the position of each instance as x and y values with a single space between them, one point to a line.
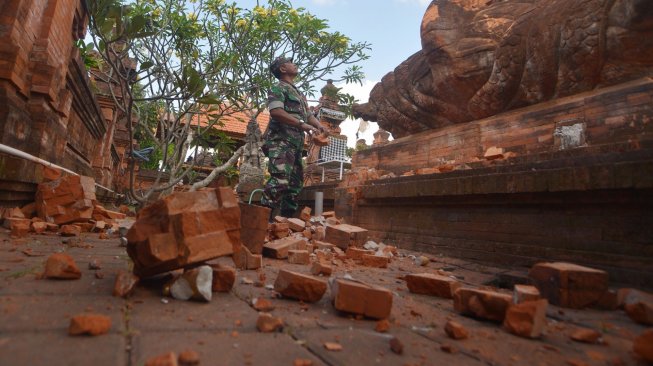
286 172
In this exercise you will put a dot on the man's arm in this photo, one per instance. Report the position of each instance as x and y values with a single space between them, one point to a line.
279 114
315 123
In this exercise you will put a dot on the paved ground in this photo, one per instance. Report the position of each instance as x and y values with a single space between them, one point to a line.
35 314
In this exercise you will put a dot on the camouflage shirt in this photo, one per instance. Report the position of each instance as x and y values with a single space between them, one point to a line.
288 97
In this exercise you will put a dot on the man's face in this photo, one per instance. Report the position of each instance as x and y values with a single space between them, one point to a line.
289 68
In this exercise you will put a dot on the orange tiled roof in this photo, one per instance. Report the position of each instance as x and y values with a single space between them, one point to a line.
235 125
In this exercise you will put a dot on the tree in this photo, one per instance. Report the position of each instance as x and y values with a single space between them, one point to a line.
172 61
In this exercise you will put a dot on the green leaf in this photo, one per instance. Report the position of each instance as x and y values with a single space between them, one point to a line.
208 99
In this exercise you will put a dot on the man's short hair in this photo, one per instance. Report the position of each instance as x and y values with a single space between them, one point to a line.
275 66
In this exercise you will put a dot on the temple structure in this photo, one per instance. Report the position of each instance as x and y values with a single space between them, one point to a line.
523 132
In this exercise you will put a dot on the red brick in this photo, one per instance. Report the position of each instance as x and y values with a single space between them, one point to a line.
253 226
299 286
70 230
61 266
323 246
29 210
298 257
320 233
320 268
223 278
371 260
19 227
267 323
523 293
244 259
357 253
305 214
91 324
184 228
432 284
362 299
189 358
639 306
483 304
279 230
569 285
124 284
279 248
39 227
456 330
526 319
585 335
643 345
344 236
296 225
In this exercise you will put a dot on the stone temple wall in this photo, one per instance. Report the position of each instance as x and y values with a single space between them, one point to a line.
575 183
47 105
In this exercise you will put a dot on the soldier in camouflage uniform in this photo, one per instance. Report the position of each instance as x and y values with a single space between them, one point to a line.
290 117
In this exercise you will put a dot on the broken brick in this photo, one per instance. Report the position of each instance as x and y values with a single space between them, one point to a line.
223 278
61 266
609 300
371 260
14 213
305 214
523 293
299 286
253 226
483 304
244 259
357 253
125 283
493 153
39 227
344 236
302 362
279 230
323 255
19 227
261 304
298 257
432 284
196 283
455 330
66 199
184 228
361 298
296 225
382 326
279 248
585 335
319 268
307 234
327 214
569 285
267 323
189 358
91 324
643 345
320 233
70 230
526 319
323 246
396 346
29 210
638 305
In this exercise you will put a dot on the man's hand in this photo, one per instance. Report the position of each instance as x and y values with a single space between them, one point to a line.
308 128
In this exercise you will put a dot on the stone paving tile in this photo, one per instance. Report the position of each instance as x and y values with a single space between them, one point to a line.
223 347
57 348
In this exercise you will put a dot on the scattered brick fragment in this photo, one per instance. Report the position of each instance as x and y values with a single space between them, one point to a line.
61 266
569 285
244 259
70 230
167 359
39 227
484 304
448 348
432 284
320 268
223 278
320 233
643 345
261 304
279 230
320 245
19 227
91 324
279 248
638 305
125 284
585 335
396 346
371 260
609 300
195 283
267 323
523 293
299 286
361 298
189 358
66 199
493 153
357 253
382 326
526 319
344 235
332 346
305 214
456 330
298 257
296 225
302 362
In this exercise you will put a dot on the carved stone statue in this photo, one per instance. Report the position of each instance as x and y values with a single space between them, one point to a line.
480 58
